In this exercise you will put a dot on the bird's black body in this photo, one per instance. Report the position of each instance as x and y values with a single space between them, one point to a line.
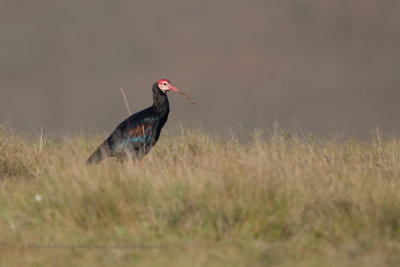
134 137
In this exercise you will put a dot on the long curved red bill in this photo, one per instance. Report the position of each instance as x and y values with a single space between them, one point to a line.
173 88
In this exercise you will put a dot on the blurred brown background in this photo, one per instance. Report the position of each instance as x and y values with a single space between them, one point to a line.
333 65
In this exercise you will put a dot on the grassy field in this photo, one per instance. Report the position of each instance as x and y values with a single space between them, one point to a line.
200 200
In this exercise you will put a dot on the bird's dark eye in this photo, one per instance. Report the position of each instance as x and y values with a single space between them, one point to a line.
165 83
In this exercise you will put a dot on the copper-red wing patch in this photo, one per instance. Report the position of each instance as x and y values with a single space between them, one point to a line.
140 129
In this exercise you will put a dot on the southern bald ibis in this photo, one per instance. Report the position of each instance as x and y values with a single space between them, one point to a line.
134 137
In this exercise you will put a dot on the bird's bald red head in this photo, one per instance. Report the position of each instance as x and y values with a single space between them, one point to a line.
163 82
165 86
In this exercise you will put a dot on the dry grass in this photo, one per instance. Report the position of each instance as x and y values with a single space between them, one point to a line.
274 199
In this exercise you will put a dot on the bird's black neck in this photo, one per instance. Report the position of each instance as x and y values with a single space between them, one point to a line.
161 103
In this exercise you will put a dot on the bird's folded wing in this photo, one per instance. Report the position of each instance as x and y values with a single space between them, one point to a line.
136 136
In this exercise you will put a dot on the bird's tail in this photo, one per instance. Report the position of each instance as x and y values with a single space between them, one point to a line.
101 152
